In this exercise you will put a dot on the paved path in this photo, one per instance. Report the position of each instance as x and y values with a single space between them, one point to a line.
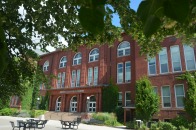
51 125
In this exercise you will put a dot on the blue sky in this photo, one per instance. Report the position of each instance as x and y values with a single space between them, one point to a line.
134 5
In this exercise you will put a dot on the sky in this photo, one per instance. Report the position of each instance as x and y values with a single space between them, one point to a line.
134 5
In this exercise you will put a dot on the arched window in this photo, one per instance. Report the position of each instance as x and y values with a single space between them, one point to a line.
73 104
94 55
124 49
91 104
46 66
63 62
77 59
58 104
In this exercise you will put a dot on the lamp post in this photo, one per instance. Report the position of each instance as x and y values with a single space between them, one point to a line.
38 99
87 103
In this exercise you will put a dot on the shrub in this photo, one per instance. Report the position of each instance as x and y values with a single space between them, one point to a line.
154 126
180 121
109 119
119 111
8 111
182 128
131 125
166 126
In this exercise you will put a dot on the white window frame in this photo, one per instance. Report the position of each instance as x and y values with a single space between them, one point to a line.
95 57
190 49
127 80
129 100
156 92
118 73
95 76
58 104
90 76
149 61
46 66
63 80
91 108
178 95
63 62
166 96
73 104
164 51
59 80
124 49
78 78
77 59
172 59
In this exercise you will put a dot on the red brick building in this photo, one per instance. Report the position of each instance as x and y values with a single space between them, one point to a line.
83 74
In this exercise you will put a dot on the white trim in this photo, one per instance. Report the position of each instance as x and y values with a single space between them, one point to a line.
123 49
129 80
126 97
58 104
166 96
164 48
122 72
46 66
63 62
151 65
77 59
175 58
192 50
179 95
75 104
94 55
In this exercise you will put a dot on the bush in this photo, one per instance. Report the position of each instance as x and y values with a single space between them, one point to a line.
109 119
166 126
131 125
154 126
8 112
180 121
119 114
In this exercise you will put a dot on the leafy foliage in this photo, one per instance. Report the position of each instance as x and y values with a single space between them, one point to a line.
26 25
180 121
147 102
110 97
190 98
8 111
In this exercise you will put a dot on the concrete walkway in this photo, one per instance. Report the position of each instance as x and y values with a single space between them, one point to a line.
52 125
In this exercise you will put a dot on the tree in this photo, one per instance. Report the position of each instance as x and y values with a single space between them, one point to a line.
146 100
79 22
110 97
190 96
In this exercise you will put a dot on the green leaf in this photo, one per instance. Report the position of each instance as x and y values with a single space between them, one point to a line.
177 10
151 25
92 19
3 51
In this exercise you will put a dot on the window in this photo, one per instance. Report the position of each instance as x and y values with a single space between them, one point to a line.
94 55
93 76
128 71
14 101
189 57
166 96
120 99
155 89
77 59
73 104
91 106
75 78
163 60
58 104
61 80
127 98
46 66
63 62
120 73
179 93
176 61
151 66
124 49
